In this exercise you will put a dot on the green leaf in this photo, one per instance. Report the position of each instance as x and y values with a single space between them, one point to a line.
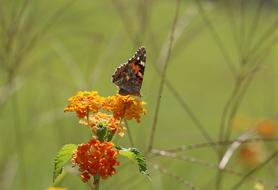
63 156
135 155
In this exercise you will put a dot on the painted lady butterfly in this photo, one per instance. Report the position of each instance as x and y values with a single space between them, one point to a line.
129 76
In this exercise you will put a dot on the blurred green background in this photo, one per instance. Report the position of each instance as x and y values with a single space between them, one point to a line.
51 49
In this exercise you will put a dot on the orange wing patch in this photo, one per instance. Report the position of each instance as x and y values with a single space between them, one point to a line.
135 68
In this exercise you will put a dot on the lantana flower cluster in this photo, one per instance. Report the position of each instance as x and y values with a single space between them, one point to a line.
95 157
98 157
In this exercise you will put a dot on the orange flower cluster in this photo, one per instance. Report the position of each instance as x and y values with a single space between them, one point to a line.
107 120
122 106
84 102
98 156
125 107
95 157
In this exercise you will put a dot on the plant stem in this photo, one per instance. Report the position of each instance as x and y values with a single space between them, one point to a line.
96 181
163 75
129 134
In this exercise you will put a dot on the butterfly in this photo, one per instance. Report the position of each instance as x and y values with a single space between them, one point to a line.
129 76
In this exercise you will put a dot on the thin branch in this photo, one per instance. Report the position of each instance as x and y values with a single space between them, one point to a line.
131 141
67 58
233 23
227 106
233 147
19 141
259 57
176 177
9 89
242 28
190 13
53 19
143 10
234 103
219 143
103 58
127 22
263 38
194 160
255 22
217 39
190 112
248 78
249 174
163 75
205 163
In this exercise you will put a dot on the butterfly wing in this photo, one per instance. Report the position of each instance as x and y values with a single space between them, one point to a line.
129 76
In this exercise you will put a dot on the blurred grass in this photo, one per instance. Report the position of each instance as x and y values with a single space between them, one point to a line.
80 49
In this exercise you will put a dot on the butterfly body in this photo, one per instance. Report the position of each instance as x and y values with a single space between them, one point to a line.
129 76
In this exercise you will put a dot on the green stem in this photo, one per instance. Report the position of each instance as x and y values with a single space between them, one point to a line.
129 134
96 181
88 121
59 179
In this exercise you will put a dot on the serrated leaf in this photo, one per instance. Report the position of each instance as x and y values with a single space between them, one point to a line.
63 156
135 155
